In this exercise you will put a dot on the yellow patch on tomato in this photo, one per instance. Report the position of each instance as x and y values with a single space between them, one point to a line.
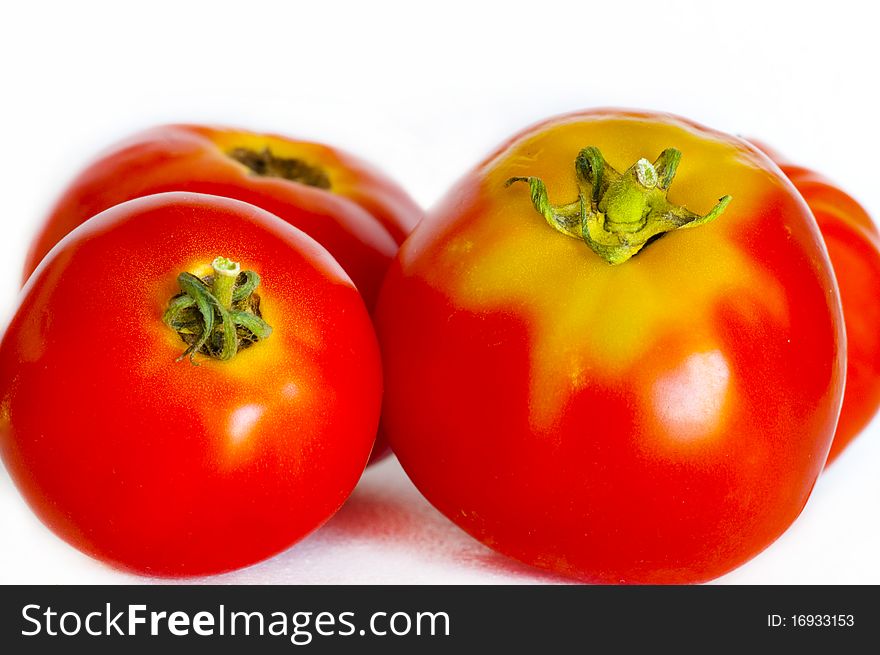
586 318
313 154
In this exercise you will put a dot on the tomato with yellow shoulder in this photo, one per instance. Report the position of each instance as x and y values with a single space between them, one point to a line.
615 350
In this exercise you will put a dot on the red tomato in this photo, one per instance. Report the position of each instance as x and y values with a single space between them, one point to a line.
349 207
168 467
657 418
854 247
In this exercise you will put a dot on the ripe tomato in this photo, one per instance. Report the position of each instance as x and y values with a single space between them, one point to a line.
854 248
649 419
168 467
349 207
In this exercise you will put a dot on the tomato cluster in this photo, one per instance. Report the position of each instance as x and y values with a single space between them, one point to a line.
192 382
618 349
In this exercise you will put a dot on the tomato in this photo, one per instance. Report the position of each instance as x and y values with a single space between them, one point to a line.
581 384
155 450
854 247
348 206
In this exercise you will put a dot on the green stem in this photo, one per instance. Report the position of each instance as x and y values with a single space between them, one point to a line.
225 274
218 316
620 212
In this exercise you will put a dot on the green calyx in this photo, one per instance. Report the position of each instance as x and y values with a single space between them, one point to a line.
219 315
617 214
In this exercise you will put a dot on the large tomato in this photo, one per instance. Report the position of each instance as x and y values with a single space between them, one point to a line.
854 247
349 207
172 417
589 398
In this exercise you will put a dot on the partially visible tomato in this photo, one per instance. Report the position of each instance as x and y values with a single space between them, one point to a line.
854 247
582 382
348 206
163 466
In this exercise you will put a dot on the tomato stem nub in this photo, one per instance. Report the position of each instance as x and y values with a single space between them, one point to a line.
219 315
265 163
617 214
225 274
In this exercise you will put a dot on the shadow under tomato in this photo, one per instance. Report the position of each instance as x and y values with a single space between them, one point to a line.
387 533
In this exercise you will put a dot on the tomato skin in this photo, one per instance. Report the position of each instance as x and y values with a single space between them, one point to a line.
360 219
160 466
854 248
659 421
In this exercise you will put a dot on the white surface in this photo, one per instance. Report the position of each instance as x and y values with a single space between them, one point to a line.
424 90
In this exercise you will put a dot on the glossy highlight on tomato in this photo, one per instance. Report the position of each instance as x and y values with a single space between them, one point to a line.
658 419
853 243
149 461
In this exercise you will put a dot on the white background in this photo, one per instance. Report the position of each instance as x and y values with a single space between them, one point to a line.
424 90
